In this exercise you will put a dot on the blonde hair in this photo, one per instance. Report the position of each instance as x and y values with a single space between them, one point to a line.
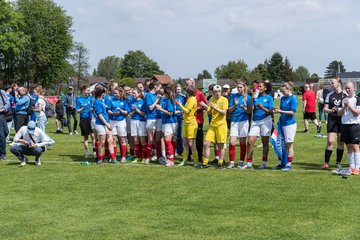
288 85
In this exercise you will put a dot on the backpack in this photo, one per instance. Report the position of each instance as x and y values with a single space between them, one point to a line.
31 107
49 109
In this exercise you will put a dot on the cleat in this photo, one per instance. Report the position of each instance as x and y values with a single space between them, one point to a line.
169 164
278 167
219 166
338 165
99 162
325 165
183 163
318 128
130 158
231 165
286 168
306 131
245 167
136 160
38 162
201 166
146 161
262 166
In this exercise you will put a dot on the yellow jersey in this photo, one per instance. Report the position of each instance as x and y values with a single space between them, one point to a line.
218 118
191 105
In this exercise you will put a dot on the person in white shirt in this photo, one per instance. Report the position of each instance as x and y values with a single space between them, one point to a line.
350 129
40 104
30 140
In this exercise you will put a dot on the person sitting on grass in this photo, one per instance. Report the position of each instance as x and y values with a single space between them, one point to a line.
30 140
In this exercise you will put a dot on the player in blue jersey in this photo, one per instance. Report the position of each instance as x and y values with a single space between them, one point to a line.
168 119
153 124
130 100
84 107
118 111
180 119
239 128
261 125
103 127
138 125
287 110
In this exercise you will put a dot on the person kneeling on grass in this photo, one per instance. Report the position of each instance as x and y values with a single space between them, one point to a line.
30 140
217 132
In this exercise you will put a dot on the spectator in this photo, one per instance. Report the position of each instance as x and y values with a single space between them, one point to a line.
41 119
180 119
59 111
21 108
227 95
309 108
10 121
69 103
320 98
4 131
30 140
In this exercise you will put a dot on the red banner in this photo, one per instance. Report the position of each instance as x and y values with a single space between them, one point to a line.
52 99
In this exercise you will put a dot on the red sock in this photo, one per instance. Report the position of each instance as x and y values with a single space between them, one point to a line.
232 152
137 149
132 151
115 150
112 156
100 157
264 158
169 150
148 150
217 152
123 151
97 149
242 151
106 149
249 160
158 149
290 159
144 151
173 144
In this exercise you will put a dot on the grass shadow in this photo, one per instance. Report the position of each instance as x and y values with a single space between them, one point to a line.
309 166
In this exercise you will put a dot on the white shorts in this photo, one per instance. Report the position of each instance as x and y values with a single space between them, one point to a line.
101 129
93 124
169 129
289 132
261 128
138 128
239 129
118 128
154 124
128 124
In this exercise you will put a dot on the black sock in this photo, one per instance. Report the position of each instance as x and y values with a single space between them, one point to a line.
328 155
339 155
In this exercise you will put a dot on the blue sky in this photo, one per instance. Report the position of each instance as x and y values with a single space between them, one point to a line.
187 36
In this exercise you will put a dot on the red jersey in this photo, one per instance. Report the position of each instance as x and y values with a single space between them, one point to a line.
310 98
200 97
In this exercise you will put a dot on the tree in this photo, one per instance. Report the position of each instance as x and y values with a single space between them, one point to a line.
335 67
137 64
49 29
262 70
12 40
128 81
287 73
95 74
314 75
275 67
109 67
80 60
301 74
204 75
232 70
255 74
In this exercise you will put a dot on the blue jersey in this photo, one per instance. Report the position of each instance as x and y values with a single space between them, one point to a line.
149 100
289 103
239 115
167 105
115 104
87 104
182 99
100 108
140 104
267 102
108 98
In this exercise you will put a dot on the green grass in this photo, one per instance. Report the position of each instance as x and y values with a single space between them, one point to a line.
64 200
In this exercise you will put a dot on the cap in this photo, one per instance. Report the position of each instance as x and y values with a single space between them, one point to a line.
226 86
71 87
217 88
31 127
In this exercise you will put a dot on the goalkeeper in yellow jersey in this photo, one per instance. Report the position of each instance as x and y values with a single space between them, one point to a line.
190 125
217 132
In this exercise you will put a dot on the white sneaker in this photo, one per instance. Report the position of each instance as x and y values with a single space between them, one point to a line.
22 164
262 166
86 154
183 163
38 162
247 166
70 133
231 165
146 161
154 158
123 160
76 132
169 164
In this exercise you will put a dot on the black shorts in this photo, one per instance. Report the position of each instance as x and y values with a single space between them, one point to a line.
85 126
350 133
334 126
310 115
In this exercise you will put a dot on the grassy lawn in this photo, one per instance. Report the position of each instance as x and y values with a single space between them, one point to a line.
64 200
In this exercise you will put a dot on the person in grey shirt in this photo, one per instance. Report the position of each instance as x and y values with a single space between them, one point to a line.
69 103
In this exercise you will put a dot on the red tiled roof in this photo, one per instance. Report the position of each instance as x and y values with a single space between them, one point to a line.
163 79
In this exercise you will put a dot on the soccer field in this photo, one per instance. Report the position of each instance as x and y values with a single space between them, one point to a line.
62 199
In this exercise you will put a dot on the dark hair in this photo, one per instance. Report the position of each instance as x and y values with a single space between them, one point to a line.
99 90
191 91
84 87
139 83
211 87
121 93
140 92
169 91
154 83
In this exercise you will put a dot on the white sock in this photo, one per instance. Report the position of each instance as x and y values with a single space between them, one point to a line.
163 153
357 160
351 159
249 164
